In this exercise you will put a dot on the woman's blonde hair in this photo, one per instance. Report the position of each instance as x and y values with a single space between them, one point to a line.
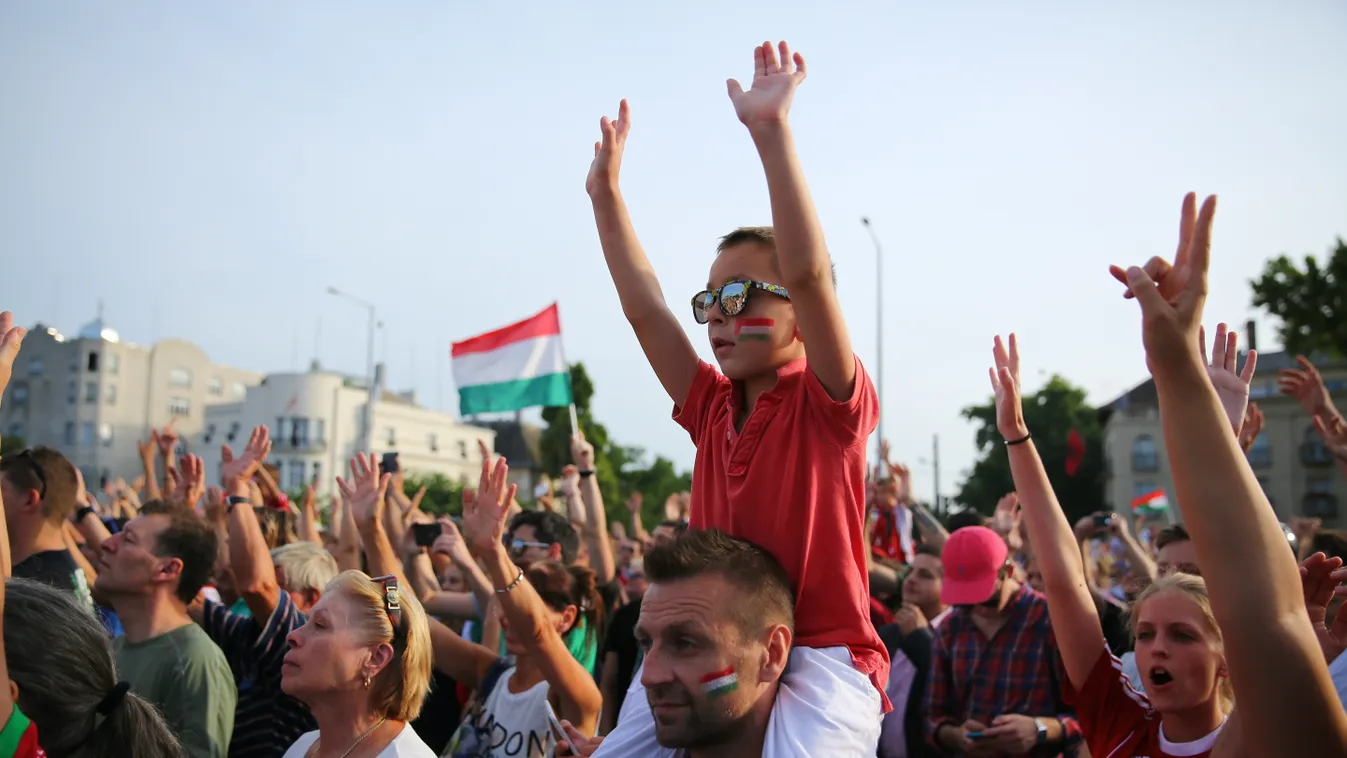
398 691
1196 590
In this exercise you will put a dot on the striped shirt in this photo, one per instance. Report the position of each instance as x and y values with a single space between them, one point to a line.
266 721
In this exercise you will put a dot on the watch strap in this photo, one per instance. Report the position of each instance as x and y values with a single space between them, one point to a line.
586 474
1042 731
234 500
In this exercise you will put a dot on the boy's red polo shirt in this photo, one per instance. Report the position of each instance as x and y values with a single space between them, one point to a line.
793 482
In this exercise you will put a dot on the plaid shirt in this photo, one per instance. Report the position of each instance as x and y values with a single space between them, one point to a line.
1018 671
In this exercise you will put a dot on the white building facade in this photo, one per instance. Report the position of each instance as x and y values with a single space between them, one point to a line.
316 424
93 396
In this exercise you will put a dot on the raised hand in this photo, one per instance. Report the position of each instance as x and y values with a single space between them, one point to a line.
11 339
1005 376
1307 386
607 164
582 453
1251 428
1006 521
149 449
1333 430
1322 579
569 482
485 511
1172 297
775 78
168 441
1231 388
236 471
635 502
451 542
191 482
366 491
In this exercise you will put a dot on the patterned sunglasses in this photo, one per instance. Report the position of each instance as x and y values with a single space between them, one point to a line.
732 296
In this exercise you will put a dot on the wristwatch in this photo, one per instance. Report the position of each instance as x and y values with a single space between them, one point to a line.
234 500
586 474
1042 731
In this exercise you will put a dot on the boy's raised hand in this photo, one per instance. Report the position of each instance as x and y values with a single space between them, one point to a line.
603 171
774 81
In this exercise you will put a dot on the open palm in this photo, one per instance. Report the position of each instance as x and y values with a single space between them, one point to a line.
485 511
366 491
1005 376
767 100
244 467
1232 388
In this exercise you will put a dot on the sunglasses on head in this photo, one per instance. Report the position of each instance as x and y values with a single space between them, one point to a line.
391 604
732 296
27 457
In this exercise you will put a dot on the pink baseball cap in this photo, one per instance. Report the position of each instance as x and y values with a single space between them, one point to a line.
972 558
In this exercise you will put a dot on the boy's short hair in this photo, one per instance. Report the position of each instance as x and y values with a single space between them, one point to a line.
967 517
1171 534
762 235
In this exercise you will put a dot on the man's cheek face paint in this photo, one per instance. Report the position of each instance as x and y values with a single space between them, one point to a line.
720 683
754 329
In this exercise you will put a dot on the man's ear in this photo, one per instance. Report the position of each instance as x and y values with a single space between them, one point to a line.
554 551
775 654
170 569
13 691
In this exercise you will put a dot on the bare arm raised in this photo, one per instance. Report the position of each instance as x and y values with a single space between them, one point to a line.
664 342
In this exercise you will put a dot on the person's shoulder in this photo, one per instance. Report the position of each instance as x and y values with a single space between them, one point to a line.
408 744
301 745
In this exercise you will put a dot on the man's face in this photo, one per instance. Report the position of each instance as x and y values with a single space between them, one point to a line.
923 583
691 636
886 495
741 356
526 549
129 566
636 583
15 500
1180 555
304 599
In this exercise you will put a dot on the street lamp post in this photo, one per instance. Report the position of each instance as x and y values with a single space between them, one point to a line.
879 328
369 364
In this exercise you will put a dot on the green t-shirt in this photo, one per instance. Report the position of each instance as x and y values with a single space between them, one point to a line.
185 674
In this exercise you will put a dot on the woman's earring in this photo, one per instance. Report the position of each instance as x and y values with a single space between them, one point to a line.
366 681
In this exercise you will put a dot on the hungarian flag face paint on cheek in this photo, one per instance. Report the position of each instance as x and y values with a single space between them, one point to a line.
754 329
720 683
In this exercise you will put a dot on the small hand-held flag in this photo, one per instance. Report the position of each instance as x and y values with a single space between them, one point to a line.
1151 503
1075 452
518 366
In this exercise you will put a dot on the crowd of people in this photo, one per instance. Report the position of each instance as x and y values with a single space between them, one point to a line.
796 603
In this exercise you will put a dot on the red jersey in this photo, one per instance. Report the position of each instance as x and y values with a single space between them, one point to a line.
1118 721
793 482
18 738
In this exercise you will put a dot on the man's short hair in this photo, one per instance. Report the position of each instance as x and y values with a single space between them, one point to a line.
925 549
57 483
1171 534
966 517
679 527
1330 542
768 597
189 539
307 566
550 527
762 235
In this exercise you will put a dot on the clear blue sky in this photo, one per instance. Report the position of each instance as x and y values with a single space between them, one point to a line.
209 169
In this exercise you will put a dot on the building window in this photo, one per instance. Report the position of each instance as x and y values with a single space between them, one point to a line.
91 392
16 429
92 363
110 394
319 431
179 406
114 362
179 377
463 449
391 436
317 475
69 437
1260 454
294 475
301 432
105 434
35 367
72 392
1143 488
233 432
283 428
239 389
433 442
216 386
1145 456
209 434
19 395
87 434
1312 449
1319 485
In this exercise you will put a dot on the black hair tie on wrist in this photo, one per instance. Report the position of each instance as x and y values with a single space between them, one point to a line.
113 699
1019 441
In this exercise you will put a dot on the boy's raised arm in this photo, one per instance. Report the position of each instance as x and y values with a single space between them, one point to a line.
662 339
806 269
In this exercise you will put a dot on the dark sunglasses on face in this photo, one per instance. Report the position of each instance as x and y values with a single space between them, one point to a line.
27 457
732 296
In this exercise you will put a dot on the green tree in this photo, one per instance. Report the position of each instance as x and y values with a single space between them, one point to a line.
444 496
1051 414
11 445
1311 303
655 481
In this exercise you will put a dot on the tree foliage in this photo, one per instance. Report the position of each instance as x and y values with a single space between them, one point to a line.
621 470
444 496
1311 303
11 445
1051 414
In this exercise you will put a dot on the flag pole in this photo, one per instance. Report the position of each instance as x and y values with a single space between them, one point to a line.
575 421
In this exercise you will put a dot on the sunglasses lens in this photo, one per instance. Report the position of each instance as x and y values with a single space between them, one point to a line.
733 298
701 306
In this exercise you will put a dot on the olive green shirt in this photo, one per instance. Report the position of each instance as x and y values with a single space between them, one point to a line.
186 676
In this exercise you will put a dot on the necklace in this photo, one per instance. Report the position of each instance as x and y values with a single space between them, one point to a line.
358 740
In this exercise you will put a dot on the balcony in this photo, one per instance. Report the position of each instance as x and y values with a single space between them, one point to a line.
1315 455
1145 462
294 444
1322 505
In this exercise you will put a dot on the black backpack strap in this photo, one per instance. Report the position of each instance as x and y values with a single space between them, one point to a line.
493 676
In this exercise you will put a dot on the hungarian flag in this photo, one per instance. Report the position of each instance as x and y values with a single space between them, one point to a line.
514 367
1075 452
1151 503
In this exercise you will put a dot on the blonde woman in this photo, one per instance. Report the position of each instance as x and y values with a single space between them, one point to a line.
362 665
